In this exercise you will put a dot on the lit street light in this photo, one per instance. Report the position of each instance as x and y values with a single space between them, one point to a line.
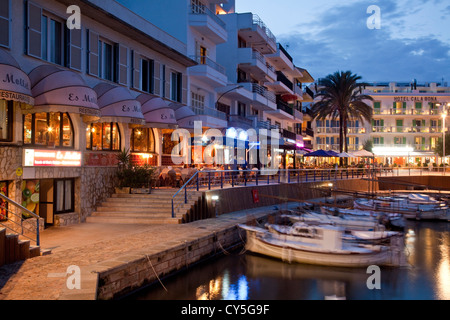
444 116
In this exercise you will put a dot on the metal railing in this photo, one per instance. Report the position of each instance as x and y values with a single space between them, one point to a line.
262 91
204 60
207 180
257 21
31 234
203 10
205 111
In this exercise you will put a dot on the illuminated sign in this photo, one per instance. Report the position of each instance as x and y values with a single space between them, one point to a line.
51 158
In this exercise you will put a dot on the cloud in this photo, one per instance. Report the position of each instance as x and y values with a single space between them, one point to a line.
340 40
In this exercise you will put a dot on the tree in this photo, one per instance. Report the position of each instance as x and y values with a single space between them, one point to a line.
368 145
340 98
439 145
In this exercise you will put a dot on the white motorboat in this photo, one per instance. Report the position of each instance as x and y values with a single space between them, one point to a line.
328 249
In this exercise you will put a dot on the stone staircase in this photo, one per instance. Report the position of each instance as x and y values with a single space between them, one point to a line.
12 249
154 208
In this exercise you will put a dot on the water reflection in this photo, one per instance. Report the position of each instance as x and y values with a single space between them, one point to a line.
248 276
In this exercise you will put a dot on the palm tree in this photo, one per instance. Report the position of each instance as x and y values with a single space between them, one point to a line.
340 98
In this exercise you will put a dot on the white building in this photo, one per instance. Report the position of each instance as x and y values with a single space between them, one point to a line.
407 124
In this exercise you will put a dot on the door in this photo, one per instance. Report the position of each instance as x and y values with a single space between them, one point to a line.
46 201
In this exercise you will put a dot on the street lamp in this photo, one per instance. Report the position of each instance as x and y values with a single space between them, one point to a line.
235 88
444 116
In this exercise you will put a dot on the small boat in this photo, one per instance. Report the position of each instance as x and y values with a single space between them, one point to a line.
408 208
393 221
309 233
344 221
328 249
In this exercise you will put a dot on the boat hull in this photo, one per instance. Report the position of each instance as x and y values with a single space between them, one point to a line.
256 243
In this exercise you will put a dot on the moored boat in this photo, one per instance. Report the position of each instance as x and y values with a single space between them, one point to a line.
327 250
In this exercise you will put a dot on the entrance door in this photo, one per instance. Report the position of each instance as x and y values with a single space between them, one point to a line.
46 201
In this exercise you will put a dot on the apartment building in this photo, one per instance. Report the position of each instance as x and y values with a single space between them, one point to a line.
406 126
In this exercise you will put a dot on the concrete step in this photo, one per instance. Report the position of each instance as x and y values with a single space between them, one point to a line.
24 249
145 202
135 220
153 194
153 208
35 251
132 214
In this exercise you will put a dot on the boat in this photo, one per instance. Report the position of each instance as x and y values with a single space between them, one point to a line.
392 221
328 249
344 221
309 233
409 208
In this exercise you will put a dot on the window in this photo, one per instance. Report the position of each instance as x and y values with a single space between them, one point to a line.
147 75
377 107
399 140
175 86
197 101
64 196
167 144
52 40
143 140
106 60
5 31
242 109
103 136
6 120
48 130
378 140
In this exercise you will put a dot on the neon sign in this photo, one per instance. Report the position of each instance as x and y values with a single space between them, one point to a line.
51 158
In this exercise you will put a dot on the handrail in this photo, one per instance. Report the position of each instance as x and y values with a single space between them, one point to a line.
184 187
22 209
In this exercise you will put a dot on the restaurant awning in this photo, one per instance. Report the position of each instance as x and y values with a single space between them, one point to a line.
157 112
57 90
14 83
184 115
117 104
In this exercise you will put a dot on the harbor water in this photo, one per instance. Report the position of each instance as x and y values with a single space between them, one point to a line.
240 275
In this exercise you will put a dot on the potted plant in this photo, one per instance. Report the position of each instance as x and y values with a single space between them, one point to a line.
133 179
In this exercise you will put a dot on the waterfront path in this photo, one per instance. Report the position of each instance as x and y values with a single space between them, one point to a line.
92 246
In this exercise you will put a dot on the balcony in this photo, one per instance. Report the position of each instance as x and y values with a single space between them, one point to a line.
253 62
406 129
237 121
211 118
263 99
308 132
207 23
289 135
281 59
208 71
254 31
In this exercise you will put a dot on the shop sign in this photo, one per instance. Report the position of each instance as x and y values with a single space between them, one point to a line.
51 158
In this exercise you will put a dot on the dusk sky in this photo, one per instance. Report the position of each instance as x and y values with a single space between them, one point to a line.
325 36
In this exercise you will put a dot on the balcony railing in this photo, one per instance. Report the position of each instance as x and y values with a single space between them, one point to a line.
281 105
210 63
289 135
405 129
203 10
282 49
407 112
262 91
209 112
283 79
257 20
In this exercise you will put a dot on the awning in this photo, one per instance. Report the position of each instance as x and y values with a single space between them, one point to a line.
57 90
362 153
184 115
14 83
117 104
157 112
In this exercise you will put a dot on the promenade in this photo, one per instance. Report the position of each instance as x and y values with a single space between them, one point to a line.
92 247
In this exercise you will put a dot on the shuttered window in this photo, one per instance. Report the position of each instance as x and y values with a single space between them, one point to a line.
34 30
93 53
121 65
5 23
74 49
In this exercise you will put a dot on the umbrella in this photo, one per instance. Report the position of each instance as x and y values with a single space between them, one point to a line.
319 153
362 153
344 155
332 153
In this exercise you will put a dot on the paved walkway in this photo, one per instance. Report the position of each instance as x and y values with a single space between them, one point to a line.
89 244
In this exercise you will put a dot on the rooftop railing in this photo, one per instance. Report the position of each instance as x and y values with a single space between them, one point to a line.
203 10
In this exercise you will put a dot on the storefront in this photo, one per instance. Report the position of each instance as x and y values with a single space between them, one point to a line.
120 114
150 142
53 144
15 96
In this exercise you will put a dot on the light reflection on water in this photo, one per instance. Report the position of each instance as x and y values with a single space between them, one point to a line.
248 276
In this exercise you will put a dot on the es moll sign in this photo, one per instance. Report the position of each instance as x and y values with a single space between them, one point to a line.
51 158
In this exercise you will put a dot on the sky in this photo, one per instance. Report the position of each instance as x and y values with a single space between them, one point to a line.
325 36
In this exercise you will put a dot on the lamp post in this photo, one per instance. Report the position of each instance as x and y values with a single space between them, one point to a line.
235 88
444 116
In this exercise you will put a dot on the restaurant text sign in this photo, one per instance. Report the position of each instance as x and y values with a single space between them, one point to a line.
51 158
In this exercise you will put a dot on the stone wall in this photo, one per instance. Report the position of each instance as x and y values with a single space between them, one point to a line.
95 186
